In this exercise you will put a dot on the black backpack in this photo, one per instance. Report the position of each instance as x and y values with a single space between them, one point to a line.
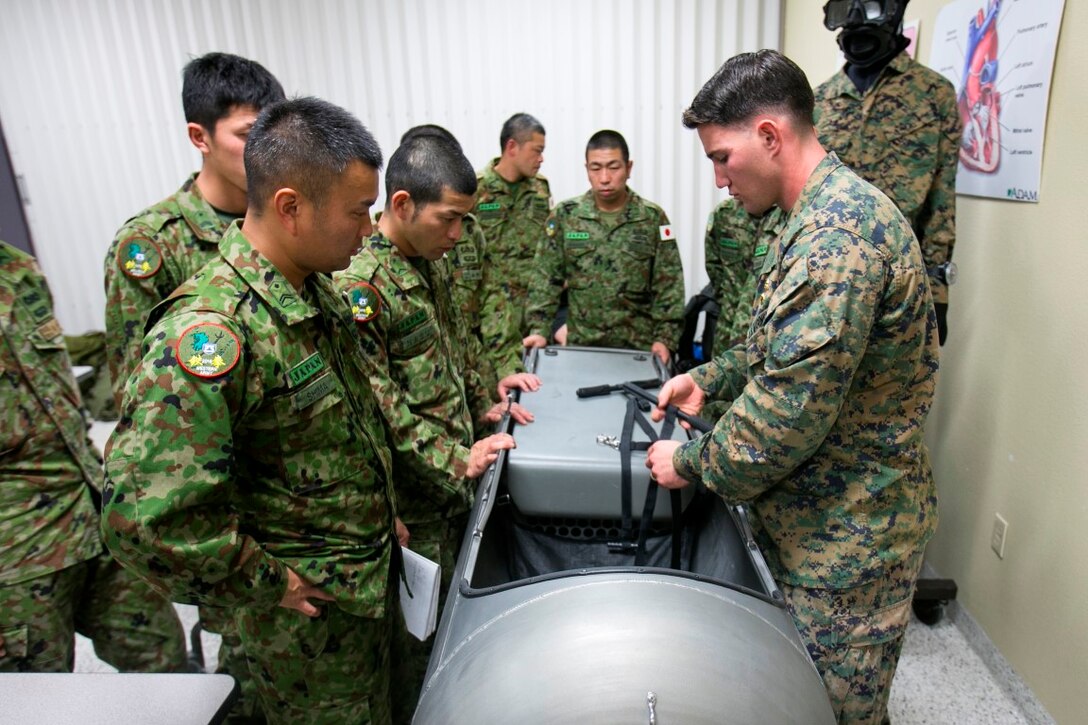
700 322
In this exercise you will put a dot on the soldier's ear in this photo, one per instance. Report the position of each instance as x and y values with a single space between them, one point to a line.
285 203
402 205
769 134
198 137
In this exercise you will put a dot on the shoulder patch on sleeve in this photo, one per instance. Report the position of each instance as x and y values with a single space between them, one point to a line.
666 233
139 258
366 303
208 350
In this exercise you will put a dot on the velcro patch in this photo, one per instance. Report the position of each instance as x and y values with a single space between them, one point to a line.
666 233
366 303
139 258
208 350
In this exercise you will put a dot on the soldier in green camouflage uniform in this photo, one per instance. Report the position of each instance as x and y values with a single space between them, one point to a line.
250 469
896 123
55 579
735 245
830 391
512 204
617 255
425 359
167 243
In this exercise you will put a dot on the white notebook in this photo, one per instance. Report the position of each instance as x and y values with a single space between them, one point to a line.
421 608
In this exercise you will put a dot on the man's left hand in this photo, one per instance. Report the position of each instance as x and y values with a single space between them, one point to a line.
403 537
659 461
519 413
521 381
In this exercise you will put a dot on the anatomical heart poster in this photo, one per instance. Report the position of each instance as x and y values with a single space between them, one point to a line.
999 54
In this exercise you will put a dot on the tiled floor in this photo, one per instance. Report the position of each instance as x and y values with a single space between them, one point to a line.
940 678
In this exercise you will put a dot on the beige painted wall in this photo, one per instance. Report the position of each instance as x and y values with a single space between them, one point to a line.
1009 430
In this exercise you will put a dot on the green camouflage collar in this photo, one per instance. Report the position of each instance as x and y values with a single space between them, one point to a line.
402 272
633 211
811 188
198 213
263 277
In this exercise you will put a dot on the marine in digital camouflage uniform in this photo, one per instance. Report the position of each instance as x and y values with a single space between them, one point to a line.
413 333
167 243
735 245
55 578
616 253
830 391
512 204
250 468
895 122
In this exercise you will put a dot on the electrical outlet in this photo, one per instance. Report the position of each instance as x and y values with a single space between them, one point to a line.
997 538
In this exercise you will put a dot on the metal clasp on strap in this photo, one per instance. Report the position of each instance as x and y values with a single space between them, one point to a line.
607 440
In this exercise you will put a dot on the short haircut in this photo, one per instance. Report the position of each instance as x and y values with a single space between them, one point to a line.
429 129
520 127
304 144
213 84
424 166
749 84
608 139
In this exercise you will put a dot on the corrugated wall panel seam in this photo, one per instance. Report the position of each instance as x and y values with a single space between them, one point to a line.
95 126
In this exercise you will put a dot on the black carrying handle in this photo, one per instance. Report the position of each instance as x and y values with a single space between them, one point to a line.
694 421
595 391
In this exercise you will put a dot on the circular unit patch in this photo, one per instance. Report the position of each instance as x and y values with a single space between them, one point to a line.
139 258
208 350
366 303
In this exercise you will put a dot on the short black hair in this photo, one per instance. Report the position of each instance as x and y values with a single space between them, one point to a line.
608 139
425 165
304 144
520 127
215 83
429 129
749 84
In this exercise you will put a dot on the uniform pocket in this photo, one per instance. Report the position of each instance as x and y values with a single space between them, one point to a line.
312 421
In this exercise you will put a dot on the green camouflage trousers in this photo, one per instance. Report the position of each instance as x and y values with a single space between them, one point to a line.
232 661
333 668
438 542
855 636
133 628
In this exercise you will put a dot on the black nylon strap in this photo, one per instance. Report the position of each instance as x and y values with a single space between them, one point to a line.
651 495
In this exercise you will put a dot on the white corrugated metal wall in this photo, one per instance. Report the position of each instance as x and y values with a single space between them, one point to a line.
90 95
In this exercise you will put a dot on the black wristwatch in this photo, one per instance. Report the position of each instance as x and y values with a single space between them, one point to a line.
946 273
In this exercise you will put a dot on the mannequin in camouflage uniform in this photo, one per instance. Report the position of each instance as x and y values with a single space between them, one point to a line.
896 123
512 204
616 253
250 469
829 393
426 380
55 579
165 244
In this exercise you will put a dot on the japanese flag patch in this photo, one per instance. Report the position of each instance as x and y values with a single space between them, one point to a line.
208 350
666 233
366 303
139 258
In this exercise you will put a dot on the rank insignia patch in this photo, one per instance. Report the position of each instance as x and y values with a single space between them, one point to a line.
366 303
208 350
550 228
139 258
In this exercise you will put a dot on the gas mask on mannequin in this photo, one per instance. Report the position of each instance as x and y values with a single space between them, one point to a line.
870 30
